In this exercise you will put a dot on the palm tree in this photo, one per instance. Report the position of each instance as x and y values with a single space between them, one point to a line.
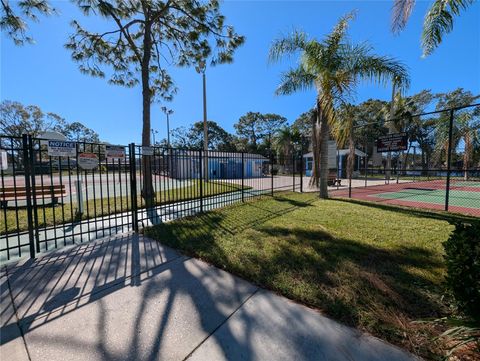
284 142
438 20
343 133
333 67
469 132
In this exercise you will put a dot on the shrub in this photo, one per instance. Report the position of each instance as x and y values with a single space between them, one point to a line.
462 255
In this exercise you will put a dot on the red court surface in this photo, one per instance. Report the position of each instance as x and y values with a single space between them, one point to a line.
464 196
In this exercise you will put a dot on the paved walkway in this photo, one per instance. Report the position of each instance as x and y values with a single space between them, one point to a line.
130 298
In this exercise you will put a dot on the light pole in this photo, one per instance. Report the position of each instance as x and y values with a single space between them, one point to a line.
153 135
168 112
200 68
169 152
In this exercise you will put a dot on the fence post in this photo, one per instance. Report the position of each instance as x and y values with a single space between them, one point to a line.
133 185
301 172
293 172
33 192
365 159
271 170
28 191
201 180
449 159
243 176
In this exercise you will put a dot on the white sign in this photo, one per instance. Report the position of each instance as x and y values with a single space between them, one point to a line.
87 161
60 148
3 159
147 150
115 151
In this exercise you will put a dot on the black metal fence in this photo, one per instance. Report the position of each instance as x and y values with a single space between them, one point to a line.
50 201
438 167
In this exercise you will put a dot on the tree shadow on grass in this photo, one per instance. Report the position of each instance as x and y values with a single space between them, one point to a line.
368 287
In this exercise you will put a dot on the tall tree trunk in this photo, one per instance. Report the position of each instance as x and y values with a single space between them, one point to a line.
147 190
315 178
320 137
324 137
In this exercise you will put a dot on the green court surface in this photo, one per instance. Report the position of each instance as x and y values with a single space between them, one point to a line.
457 198
466 184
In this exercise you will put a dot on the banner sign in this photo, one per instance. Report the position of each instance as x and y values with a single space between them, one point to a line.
147 150
60 148
87 161
392 143
115 151
3 159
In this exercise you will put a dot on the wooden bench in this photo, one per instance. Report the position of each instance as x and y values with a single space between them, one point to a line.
332 179
11 193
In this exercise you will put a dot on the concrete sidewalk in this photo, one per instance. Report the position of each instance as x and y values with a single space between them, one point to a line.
130 298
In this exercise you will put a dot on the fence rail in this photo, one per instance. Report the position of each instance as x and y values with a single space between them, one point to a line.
50 201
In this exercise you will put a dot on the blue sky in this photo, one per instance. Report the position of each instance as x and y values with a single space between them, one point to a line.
43 74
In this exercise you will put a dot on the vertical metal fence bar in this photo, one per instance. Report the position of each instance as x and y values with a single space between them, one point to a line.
133 185
293 170
449 159
271 170
201 177
34 196
26 161
301 172
243 177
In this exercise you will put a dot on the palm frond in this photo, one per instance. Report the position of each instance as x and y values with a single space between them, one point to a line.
335 38
402 9
295 80
287 45
379 69
439 21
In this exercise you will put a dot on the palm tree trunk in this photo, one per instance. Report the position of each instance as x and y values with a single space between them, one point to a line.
320 137
324 137
315 178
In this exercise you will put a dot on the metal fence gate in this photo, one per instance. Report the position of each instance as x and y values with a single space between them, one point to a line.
49 201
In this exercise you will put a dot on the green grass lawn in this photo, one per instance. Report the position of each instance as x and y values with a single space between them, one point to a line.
49 215
374 267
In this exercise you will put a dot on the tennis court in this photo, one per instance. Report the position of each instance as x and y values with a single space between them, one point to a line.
464 195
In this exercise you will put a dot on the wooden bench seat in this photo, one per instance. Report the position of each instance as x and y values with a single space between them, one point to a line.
12 193
332 179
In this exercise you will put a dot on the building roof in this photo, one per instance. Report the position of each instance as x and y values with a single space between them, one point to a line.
340 152
219 154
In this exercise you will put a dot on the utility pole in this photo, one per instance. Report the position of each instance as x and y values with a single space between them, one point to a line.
201 70
390 130
169 151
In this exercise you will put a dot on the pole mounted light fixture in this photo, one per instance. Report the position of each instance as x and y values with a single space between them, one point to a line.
168 112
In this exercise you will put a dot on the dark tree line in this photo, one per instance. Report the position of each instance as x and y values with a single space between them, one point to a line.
17 119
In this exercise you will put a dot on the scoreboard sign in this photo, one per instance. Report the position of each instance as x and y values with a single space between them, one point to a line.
392 143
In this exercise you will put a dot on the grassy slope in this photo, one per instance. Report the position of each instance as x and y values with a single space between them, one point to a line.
66 213
373 267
